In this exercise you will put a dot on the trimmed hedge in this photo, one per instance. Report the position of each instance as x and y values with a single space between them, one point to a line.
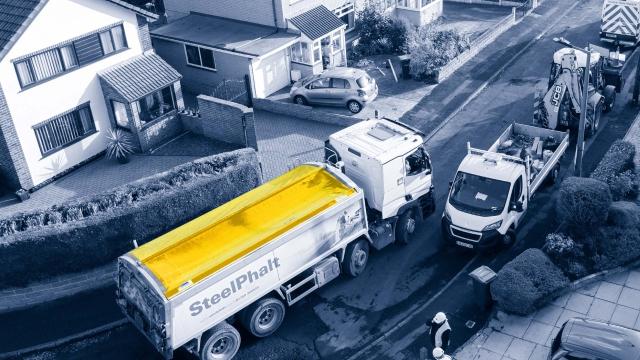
617 169
583 204
96 229
617 246
567 254
527 282
624 214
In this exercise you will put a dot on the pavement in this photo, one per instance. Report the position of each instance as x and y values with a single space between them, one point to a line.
615 299
103 174
381 314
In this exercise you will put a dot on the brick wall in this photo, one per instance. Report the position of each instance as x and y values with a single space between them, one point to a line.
13 164
223 121
143 33
303 112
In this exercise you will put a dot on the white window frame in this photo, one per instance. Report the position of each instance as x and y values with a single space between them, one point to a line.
186 56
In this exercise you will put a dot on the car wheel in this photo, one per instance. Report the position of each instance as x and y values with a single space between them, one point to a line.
300 100
354 106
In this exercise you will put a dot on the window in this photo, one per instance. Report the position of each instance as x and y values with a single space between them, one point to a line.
340 84
336 42
416 163
120 114
323 83
155 105
346 13
517 190
63 130
413 4
200 57
50 63
300 53
317 57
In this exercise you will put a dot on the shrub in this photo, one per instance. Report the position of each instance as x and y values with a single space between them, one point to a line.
94 230
527 282
617 246
624 214
566 254
617 169
380 33
432 49
583 204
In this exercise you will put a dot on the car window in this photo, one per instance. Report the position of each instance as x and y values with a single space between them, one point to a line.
340 84
416 163
322 83
517 190
364 81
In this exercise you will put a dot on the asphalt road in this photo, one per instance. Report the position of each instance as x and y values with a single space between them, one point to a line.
342 318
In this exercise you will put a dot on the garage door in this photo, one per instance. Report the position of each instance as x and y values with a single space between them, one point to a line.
272 74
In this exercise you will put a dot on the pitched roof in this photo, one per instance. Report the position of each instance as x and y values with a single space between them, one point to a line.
16 15
317 22
140 76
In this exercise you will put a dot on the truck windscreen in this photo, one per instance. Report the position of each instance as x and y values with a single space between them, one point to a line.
478 195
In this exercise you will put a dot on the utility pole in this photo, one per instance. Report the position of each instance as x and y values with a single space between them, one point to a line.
583 115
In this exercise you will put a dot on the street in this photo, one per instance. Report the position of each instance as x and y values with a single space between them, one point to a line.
342 319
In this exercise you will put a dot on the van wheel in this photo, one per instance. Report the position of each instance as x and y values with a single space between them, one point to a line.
554 175
405 227
300 100
508 239
356 257
354 106
263 317
220 343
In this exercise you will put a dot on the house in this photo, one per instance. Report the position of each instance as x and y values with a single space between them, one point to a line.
272 42
71 70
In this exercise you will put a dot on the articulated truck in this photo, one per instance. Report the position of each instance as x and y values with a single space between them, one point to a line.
492 188
245 262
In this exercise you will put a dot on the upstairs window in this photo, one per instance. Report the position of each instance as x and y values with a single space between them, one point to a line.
200 57
66 57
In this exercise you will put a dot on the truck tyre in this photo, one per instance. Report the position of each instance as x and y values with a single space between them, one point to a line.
263 317
356 257
406 226
509 238
553 175
220 343
592 129
609 98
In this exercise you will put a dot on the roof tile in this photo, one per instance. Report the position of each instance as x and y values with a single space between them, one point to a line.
317 22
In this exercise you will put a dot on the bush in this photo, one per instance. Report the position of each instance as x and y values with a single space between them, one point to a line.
583 204
624 214
617 169
527 282
94 230
379 33
617 246
567 254
431 49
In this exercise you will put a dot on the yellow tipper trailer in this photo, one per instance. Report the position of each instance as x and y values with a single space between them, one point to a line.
289 231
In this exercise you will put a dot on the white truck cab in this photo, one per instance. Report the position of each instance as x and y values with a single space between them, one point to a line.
388 160
492 188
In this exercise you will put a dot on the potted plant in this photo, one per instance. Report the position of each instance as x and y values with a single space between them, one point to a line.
119 145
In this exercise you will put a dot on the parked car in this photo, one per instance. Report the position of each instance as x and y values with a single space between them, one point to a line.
589 339
337 86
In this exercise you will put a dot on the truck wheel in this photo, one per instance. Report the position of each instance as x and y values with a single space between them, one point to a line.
220 343
508 239
609 98
356 257
405 227
553 175
595 121
263 317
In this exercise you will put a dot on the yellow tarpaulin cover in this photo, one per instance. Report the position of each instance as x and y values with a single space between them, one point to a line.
208 243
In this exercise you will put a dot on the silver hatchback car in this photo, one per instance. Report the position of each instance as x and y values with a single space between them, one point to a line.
337 86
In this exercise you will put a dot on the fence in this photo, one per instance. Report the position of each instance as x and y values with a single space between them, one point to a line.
476 46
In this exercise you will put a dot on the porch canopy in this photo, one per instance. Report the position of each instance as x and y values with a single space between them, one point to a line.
140 76
317 22
247 39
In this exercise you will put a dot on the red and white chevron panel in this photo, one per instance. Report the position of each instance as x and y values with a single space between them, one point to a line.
620 18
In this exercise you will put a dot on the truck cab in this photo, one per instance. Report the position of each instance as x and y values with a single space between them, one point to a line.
389 161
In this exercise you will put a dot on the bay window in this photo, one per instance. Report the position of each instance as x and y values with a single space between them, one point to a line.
155 105
300 53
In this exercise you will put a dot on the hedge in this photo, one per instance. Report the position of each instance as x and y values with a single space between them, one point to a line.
624 214
618 246
94 230
583 204
617 169
527 282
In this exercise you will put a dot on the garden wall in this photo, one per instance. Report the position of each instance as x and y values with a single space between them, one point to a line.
303 112
94 230
222 120
476 46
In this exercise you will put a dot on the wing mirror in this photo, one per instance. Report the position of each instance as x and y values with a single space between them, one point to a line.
516 206
450 184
